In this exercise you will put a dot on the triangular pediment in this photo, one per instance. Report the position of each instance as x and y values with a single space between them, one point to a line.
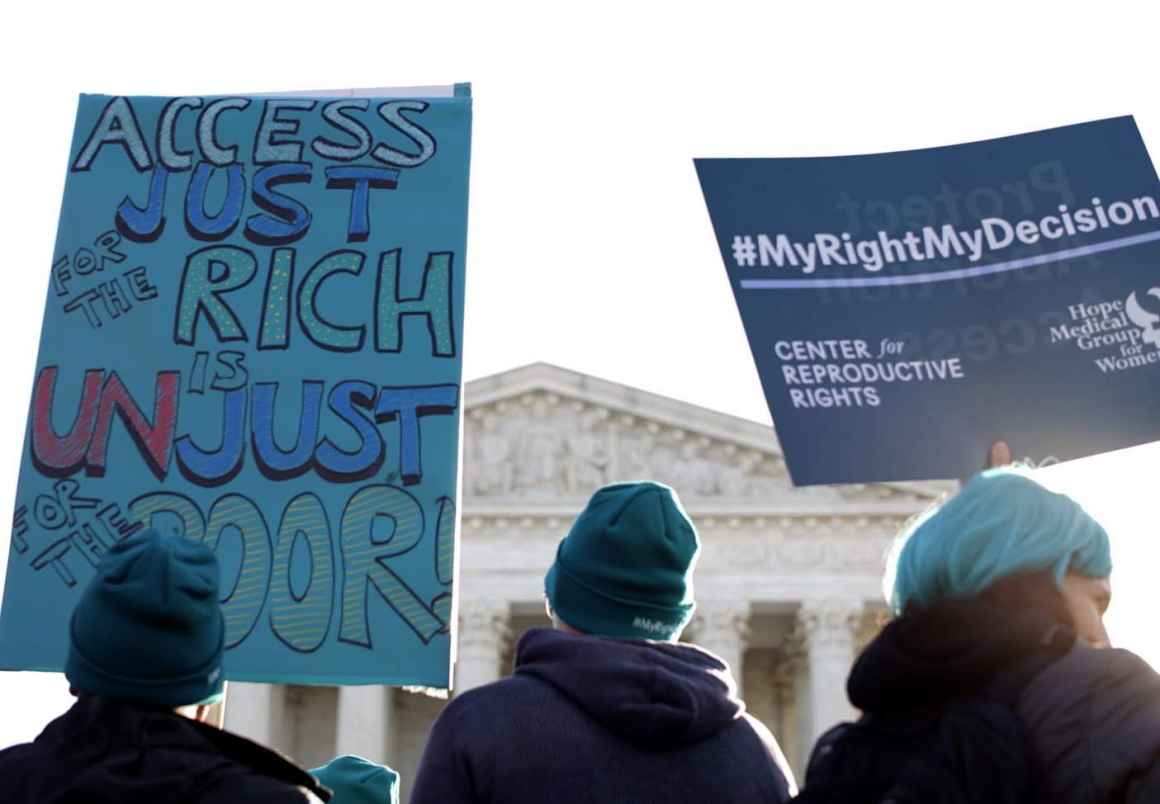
546 436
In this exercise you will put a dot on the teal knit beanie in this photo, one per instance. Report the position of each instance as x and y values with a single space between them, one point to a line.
625 568
1002 523
148 629
355 780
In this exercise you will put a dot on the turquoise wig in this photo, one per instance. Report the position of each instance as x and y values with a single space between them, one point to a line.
1001 523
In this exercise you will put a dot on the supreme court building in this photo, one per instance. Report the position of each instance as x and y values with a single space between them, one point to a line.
788 586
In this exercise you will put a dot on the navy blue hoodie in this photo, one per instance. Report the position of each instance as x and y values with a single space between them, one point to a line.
594 720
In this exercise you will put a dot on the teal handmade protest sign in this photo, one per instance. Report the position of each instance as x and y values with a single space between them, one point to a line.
253 338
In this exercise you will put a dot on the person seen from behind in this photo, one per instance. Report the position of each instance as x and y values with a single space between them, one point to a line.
145 661
996 682
608 706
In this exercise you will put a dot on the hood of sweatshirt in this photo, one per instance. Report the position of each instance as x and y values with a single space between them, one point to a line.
654 694
927 657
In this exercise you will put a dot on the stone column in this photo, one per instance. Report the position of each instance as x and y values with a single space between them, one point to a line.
363 722
256 711
483 628
789 667
828 626
722 627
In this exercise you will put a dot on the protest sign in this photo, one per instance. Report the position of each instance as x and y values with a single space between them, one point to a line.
905 310
253 338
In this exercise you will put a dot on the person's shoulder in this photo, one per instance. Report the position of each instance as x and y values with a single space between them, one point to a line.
1110 662
14 753
1085 671
243 770
251 786
496 695
1118 686
1065 689
479 715
771 751
24 760
471 731
1094 718
17 760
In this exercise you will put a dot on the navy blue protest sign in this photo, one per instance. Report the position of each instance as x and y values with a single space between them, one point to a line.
253 338
907 309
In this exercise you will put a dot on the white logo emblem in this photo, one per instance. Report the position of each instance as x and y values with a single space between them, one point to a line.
1149 322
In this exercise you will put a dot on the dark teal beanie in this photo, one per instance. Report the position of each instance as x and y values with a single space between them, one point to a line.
625 568
355 780
148 629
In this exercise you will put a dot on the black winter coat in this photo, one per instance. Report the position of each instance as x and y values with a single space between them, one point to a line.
1094 722
101 752
1091 717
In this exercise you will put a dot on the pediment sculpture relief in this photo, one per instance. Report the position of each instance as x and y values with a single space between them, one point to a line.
542 445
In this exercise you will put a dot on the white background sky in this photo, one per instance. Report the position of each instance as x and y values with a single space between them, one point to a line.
589 244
